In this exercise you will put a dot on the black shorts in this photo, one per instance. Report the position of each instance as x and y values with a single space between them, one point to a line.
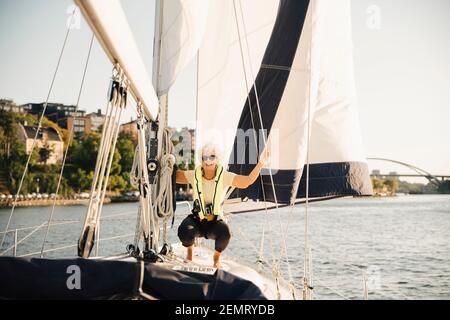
191 228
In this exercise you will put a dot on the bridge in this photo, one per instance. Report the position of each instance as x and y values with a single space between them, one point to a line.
436 180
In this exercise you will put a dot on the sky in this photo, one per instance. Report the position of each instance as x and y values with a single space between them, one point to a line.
401 56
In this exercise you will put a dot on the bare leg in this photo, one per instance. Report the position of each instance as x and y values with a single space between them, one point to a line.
217 259
190 250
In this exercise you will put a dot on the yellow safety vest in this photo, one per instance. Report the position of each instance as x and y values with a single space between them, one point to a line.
198 192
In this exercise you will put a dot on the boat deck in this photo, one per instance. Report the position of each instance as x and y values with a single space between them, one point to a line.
202 262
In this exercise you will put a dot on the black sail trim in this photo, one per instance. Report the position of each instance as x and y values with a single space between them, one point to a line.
270 84
326 180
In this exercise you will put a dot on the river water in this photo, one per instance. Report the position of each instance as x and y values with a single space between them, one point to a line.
401 244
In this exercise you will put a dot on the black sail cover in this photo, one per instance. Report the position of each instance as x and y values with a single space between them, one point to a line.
22 278
306 72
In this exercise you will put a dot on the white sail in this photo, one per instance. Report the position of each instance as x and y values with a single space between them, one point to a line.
227 66
183 25
108 21
306 72
335 132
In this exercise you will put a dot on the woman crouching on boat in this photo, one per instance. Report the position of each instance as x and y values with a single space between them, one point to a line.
210 182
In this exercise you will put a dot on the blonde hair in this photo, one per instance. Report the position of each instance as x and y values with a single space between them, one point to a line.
210 149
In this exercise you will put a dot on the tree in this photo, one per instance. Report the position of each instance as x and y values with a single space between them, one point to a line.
8 122
83 157
411 188
126 148
16 165
14 155
63 132
80 164
45 152
391 185
83 153
81 180
377 184
116 183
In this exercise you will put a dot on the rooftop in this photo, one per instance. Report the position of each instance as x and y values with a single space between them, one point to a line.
51 133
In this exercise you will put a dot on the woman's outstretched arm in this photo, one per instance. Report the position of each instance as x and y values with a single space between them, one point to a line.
242 182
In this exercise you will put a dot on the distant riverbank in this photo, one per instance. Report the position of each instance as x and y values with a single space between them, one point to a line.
8 203
47 202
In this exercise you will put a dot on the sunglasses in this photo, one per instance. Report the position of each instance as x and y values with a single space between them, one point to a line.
206 158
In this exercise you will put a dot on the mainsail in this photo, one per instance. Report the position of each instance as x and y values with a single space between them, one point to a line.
225 66
306 72
182 24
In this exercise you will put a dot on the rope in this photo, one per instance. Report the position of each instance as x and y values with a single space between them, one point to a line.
164 200
164 203
149 225
37 132
135 180
305 266
135 177
134 174
138 228
68 146
121 107
109 108
111 125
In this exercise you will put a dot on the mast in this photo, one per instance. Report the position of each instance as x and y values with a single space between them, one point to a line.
162 96
150 146
157 45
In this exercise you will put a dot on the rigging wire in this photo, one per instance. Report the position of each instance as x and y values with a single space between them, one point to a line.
68 146
134 180
115 133
106 122
306 244
38 129
111 125
253 125
283 236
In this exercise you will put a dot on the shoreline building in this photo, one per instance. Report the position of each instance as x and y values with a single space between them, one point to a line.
65 116
10 106
97 119
131 129
48 142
